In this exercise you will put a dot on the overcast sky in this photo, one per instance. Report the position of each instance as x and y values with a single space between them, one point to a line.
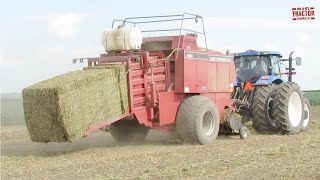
39 39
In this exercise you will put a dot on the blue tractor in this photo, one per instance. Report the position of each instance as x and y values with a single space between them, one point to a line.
267 96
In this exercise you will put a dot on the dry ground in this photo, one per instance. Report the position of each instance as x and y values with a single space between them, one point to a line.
99 157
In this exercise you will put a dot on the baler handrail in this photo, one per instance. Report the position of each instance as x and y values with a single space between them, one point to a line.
182 18
119 20
149 17
144 22
166 20
172 30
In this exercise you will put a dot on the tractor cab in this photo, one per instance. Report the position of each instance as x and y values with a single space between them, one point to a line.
252 66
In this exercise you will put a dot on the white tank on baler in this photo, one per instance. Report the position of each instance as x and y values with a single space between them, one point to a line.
122 38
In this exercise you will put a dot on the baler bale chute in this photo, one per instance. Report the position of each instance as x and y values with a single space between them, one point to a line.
171 84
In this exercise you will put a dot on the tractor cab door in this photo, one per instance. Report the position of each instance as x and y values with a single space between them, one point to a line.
275 65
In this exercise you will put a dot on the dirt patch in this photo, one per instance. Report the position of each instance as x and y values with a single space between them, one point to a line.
99 157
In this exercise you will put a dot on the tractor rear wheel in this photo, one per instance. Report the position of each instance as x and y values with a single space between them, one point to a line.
288 108
128 131
197 120
306 116
262 117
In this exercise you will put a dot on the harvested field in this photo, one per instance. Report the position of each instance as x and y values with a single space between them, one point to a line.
99 157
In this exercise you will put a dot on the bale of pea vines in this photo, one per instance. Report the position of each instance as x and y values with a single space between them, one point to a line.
62 108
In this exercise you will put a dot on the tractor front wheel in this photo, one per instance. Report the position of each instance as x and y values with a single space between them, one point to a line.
128 131
197 120
288 108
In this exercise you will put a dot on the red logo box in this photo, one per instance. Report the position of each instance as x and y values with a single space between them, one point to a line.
303 13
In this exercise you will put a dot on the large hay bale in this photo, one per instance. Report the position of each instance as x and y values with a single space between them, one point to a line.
61 109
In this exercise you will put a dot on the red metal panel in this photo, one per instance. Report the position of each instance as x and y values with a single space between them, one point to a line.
179 73
222 100
211 96
202 76
190 76
134 66
190 43
168 106
142 116
137 91
232 71
138 100
155 70
223 79
149 78
212 77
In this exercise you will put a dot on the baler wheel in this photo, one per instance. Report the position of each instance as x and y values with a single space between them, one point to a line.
243 132
262 117
288 108
306 115
197 120
128 131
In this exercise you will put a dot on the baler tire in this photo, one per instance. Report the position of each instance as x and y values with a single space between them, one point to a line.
128 131
306 115
262 119
194 114
288 108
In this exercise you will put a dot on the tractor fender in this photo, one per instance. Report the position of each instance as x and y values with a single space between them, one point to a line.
267 80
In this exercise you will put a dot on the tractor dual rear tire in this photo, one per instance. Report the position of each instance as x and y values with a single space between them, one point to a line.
262 118
197 120
288 108
128 131
306 116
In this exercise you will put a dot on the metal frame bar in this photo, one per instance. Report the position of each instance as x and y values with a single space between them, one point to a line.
106 123
167 18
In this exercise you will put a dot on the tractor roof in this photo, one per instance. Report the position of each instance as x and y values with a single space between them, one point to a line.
258 53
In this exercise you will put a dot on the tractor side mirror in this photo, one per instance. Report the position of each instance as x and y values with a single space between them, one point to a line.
298 61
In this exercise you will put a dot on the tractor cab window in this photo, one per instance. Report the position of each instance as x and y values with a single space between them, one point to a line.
275 61
250 68
260 65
